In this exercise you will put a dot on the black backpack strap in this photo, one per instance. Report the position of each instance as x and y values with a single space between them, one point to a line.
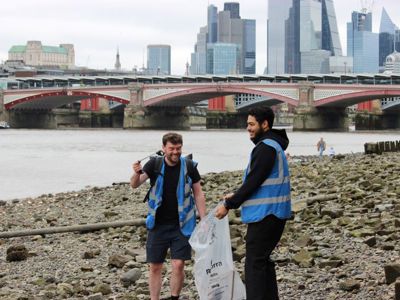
190 165
157 171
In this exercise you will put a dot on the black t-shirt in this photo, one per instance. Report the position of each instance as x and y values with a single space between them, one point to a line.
167 213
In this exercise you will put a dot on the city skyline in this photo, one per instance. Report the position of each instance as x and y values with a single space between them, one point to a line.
97 28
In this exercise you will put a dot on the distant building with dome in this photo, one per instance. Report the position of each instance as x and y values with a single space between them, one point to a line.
38 55
392 63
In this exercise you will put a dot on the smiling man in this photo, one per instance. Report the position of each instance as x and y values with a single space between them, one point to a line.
264 198
175 191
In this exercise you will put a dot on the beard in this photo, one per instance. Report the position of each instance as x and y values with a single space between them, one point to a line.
257 135
173 158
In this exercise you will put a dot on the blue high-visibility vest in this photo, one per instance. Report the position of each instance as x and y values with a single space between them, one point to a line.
186 205
273 195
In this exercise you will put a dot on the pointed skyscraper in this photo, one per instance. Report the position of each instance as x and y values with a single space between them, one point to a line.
387 31
387 24
117 64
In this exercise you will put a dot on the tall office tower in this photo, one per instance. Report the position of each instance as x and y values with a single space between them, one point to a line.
249 47
292 40
362 43
233 8
212 24
278 13
387 41
228 28
117 64
310 30
198 57
330 33
159 59
397 40
233 30
223 58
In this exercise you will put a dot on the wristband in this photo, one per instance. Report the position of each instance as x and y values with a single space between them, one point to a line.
225 204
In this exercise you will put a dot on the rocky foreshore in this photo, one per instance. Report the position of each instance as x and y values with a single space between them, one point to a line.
342 243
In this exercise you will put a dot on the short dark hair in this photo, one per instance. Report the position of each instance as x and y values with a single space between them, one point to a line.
262 113
173 138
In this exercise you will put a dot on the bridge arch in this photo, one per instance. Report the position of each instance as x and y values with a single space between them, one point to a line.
187 97
349 99
54 99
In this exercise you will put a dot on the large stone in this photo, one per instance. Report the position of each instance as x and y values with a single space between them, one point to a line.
392 271
303 258
117 260
349 285
17 253
96 296
130 277
65 289
397 290
103 288
371 241
303 240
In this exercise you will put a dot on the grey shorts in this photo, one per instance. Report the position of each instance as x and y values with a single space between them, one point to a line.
164 237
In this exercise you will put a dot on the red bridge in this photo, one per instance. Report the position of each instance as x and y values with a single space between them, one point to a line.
146 101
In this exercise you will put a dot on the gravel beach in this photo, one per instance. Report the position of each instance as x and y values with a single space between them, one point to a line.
343 241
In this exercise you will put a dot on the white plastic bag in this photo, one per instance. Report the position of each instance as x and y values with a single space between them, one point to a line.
213 269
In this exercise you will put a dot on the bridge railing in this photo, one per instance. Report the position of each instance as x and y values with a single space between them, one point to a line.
84 81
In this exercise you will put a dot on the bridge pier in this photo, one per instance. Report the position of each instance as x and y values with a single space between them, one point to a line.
320 119
307 117
217 120
4 116
377 121
32 119
136 116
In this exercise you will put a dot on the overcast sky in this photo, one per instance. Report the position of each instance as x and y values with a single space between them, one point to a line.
98 27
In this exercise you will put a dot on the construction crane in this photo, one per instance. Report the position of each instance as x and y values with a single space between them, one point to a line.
366 6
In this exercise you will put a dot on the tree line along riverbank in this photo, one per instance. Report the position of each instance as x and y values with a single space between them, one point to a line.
342 242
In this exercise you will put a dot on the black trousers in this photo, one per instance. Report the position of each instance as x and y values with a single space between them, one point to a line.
262 237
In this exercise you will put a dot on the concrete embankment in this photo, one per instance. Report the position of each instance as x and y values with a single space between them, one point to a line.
342 243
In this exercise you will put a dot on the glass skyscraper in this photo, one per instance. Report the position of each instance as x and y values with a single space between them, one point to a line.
387 31
330 33
212 24
362 43
159 59
226 27
299 29
223 58
198 57
249 47
278 13
233 8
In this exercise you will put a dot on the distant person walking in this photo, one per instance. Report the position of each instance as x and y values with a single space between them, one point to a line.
321 146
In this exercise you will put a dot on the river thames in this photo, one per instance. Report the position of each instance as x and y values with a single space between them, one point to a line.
35 162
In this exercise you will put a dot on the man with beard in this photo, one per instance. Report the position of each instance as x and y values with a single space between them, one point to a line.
264 198
171 217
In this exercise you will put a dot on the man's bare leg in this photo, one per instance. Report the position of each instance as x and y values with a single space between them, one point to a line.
155 280
177 276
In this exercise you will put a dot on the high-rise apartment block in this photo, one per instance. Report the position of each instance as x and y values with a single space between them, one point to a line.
38 55
159 59
225 29
362 43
